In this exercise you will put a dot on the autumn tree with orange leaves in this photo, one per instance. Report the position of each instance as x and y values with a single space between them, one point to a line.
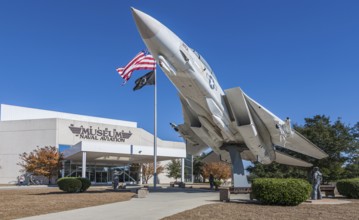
44 161
148 170
220 170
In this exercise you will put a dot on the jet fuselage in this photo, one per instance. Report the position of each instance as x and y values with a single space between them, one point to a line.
195 82
227 121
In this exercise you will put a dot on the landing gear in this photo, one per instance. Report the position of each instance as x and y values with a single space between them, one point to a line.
239 178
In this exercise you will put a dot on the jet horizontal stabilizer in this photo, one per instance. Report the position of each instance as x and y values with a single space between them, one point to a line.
295 142
283 158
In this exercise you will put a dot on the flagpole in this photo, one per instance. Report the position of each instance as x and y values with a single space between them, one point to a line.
155 134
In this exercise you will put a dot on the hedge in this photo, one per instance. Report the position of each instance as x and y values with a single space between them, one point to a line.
288 192
86 183
69 184
349 188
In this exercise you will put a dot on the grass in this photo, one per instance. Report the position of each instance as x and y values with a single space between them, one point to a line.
17 203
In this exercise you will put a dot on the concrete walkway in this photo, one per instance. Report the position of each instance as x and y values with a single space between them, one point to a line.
158 204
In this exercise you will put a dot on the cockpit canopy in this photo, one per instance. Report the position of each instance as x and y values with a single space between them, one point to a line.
204 63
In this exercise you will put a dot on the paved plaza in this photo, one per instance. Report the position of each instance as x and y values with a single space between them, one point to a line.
158 204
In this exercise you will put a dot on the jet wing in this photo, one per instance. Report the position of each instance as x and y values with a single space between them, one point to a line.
225 157
281 158
194 145
293 141
190 118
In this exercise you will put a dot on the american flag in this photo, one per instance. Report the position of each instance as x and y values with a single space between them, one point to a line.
142 61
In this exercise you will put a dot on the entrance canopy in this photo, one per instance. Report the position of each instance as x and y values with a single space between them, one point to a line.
112 153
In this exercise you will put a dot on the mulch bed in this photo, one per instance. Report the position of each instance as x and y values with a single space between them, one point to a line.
17 203
253 211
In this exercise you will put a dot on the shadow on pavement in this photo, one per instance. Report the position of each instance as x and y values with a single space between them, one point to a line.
179 190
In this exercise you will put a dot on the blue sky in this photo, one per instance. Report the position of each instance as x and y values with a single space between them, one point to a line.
296 58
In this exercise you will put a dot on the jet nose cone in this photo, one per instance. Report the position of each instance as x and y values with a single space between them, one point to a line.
146 25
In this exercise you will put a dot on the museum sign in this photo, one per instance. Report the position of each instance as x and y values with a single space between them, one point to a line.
90 133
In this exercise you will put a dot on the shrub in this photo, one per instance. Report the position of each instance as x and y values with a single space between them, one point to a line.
86 183
69 184
349 188
217 183
272 191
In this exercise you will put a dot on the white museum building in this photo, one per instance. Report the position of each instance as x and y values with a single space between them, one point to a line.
93 147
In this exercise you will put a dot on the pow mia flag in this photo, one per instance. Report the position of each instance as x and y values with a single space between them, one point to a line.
148 79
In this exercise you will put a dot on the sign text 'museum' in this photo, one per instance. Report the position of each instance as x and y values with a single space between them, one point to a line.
100 134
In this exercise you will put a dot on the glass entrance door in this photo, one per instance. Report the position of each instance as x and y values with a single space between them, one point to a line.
101 177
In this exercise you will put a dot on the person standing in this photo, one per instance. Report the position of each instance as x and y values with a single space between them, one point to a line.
211 180
115 181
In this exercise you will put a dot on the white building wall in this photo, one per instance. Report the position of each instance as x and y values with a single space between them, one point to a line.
17 137
23 129
10 112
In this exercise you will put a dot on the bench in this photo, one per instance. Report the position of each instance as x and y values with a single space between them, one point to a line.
328 190
225 193
180 184
240 190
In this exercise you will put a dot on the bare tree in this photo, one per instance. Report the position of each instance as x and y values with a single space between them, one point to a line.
148 170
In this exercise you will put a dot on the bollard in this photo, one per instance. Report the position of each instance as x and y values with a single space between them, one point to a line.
224 194
142 193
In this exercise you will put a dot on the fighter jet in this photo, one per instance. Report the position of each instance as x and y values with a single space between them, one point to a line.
234 125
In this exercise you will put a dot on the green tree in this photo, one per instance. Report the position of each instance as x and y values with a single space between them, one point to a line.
351 171
337 139
352 167
44 161
174 169
354 149
276 170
